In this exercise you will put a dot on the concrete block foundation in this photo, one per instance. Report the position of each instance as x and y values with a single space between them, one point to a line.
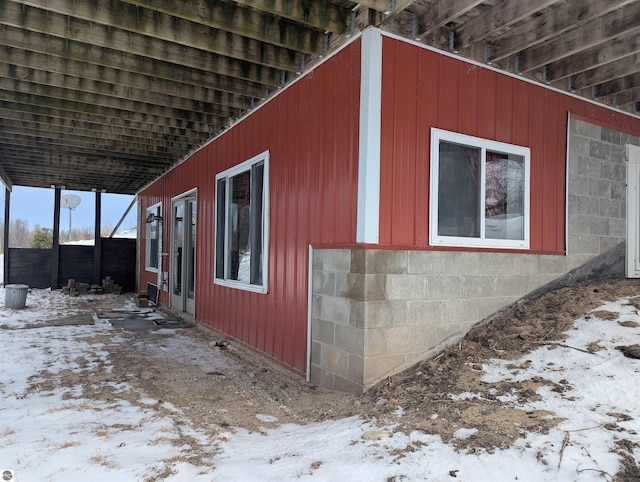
376 312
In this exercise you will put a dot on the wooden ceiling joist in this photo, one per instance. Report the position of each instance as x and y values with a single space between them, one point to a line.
193 67
180 21
53 67
155 41
112 93
551 24
593 33
595 57
498 17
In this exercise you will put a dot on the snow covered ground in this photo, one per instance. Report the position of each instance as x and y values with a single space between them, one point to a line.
48 434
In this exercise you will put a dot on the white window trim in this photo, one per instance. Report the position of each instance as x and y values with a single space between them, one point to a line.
438 135
147 259
242 167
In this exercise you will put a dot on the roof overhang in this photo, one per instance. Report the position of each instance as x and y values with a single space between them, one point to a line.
110 94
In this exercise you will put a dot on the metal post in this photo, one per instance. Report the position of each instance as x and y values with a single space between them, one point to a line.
7 202
55 251
97 246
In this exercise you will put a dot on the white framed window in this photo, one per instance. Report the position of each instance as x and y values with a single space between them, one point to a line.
152 223
242 225
479 192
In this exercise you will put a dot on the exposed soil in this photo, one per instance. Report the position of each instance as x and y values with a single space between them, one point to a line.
244 391
424 389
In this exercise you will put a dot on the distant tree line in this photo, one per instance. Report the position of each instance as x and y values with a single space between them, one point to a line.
22 235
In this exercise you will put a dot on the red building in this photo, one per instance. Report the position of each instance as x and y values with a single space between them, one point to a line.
385 202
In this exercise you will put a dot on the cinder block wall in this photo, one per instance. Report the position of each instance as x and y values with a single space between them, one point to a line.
597 188
376 312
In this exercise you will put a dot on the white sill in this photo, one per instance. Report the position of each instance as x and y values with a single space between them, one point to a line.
454 242
239 285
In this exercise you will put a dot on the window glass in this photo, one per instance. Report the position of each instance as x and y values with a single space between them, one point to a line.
459 173
152 231
241 198
479 192
239 224
504 199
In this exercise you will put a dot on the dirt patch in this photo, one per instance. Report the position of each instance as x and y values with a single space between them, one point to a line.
423 391
241 391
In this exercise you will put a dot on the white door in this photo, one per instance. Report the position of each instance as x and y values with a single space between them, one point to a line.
633 212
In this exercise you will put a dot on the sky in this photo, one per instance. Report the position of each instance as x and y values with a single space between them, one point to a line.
35 205
47 435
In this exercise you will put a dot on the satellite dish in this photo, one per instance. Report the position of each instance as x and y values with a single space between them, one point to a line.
70 201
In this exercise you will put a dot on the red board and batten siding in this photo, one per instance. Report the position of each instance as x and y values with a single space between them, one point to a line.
422 89
311 131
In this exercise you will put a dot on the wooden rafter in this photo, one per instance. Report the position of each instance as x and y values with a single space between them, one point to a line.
593 33
553 24
111 93
441 13
161 40
502 15
620 47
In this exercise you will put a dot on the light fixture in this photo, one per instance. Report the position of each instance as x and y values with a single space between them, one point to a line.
152 218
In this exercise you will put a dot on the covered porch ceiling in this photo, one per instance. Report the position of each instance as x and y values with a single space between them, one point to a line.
109 94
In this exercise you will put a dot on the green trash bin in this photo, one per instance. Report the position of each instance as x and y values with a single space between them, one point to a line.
15 296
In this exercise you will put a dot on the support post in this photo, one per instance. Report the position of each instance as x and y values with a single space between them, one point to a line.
55 251
97 245
5 240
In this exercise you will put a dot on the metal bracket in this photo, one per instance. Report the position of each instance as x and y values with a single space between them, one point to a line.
352 24
392 7
452 41
486 54
302 59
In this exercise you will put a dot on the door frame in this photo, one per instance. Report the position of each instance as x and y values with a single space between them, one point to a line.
182 302
632 251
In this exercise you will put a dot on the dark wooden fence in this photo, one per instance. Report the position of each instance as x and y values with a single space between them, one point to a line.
33 266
